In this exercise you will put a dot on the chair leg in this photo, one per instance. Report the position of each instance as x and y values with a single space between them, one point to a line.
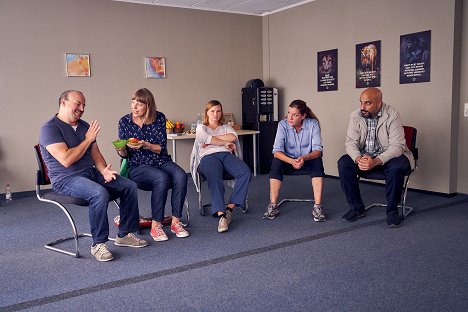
50 245
201 207
295 200
245 208
75 237
405 210
187 211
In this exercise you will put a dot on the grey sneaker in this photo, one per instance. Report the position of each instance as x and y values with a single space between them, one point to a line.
223 225
318 214
101 253
228 216
130 240
271 212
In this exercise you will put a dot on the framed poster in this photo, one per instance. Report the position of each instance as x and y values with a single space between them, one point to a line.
327 70
415 57
368 64
77 65
155 67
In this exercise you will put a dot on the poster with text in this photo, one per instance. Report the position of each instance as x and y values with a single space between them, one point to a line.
415 57
368 64
327 70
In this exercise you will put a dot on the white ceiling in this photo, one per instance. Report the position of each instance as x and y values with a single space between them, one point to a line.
250 7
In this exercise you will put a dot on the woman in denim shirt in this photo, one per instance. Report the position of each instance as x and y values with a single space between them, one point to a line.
150 164
298 146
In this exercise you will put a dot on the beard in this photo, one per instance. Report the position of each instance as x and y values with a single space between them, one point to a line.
365 114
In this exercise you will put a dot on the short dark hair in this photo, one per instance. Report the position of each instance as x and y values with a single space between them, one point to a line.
64 95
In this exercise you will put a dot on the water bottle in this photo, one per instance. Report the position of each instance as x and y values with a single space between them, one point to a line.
199 120
8 196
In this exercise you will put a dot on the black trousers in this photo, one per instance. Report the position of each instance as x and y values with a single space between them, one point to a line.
393 172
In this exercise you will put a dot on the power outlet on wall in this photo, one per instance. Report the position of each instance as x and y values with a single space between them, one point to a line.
466 110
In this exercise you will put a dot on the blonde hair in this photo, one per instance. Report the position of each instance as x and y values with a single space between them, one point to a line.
208 106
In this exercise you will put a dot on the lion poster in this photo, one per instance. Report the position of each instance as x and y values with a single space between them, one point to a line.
327 70
368 64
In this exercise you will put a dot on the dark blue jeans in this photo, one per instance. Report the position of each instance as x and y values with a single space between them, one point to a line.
91 186
393 172
161 179
212 166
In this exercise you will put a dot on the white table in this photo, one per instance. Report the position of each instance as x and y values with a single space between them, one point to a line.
253 133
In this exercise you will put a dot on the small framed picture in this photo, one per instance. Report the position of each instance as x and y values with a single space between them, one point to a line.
155 67
77 65
229 118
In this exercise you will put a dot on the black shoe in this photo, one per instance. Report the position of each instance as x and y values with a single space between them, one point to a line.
353 215
393 220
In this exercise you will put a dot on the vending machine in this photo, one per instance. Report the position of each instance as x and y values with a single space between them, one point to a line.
259 112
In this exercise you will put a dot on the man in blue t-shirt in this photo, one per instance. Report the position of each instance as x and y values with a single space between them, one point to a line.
77 168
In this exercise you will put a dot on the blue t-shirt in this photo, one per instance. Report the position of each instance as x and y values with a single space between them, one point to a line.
154 133
295 144
57 131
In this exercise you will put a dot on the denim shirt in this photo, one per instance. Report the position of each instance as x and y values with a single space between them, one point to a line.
295 144
154 133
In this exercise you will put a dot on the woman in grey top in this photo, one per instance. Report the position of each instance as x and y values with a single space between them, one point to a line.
216 144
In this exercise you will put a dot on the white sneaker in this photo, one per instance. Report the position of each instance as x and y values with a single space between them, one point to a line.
101 253
223 225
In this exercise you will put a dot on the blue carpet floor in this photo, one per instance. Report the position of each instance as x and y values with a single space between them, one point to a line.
287 264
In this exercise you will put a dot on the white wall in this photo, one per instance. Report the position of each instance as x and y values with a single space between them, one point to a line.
294 37
212 55
209 55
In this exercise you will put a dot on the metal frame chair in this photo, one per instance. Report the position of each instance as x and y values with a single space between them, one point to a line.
148 188
299 172
42 179
226 177
410 136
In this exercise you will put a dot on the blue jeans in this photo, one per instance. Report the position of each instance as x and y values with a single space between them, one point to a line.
393 172
160 180
212 166
91 186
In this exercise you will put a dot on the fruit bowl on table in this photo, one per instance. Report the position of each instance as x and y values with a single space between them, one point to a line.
178 130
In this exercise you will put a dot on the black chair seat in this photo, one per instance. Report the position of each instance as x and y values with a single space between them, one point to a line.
65 199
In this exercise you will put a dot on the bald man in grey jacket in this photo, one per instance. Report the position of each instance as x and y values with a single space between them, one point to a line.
375 142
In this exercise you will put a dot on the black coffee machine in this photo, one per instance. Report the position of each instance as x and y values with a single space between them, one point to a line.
259 112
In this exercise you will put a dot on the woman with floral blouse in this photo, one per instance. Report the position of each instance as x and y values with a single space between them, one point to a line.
150 164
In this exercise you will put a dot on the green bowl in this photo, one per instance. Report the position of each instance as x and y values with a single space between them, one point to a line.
119 143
